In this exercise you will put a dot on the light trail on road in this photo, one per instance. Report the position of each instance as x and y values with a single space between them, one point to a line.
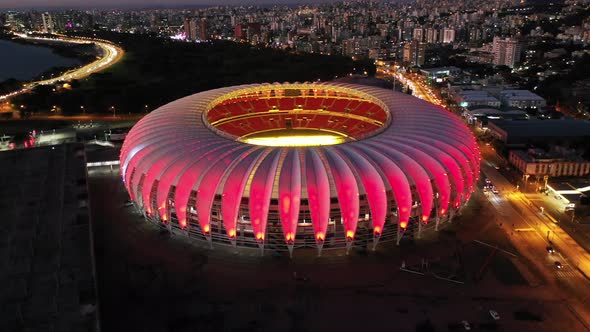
420 89
112 55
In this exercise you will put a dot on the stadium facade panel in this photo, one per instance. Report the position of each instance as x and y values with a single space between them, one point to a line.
294 165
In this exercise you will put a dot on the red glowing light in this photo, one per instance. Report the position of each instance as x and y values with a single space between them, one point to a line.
403 224
206 228
424 218
377 230
349 235
232 233
259 236
183 223
320 236
290 237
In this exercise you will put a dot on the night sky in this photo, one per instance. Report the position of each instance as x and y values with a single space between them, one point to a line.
135 3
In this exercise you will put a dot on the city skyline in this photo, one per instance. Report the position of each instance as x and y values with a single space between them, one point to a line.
140 4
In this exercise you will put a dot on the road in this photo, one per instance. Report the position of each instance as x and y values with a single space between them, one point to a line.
531 230
414 82
553 208
112 54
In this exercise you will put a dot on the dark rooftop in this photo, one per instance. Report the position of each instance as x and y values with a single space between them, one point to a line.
46 255
545 128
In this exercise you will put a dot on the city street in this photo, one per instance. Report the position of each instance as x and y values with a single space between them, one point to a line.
414 82
553 208
532 232
532 229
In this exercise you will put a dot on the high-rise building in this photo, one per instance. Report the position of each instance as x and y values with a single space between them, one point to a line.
195 30
448 35
414 53
203 29
431 35
239 31
506 52
190 28
247 31
419 34
36 21
47 23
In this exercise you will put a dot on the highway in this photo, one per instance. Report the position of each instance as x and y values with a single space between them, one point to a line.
111 55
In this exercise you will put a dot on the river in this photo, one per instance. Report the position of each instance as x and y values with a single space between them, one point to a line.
24 62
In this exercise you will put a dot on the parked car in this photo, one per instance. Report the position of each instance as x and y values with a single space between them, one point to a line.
558 265
466 325
550 250
494 314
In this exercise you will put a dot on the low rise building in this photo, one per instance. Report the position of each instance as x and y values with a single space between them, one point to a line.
521 99
539 163
470 98
572 192
481 116
536 131
440 73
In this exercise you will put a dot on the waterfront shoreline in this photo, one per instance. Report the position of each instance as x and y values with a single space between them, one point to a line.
69 51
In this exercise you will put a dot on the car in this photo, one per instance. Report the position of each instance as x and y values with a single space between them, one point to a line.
488 181
485 189
550 250
494 314
466 325
497 167
558 265
494 190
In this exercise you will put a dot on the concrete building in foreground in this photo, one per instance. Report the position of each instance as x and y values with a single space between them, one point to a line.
47 253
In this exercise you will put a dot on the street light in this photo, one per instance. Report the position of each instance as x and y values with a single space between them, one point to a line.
83 109
114 110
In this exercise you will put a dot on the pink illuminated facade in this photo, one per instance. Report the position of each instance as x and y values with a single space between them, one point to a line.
401 166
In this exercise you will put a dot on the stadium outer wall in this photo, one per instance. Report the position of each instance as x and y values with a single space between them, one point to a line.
401 166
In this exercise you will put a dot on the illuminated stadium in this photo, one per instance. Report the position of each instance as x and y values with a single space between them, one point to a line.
290 166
